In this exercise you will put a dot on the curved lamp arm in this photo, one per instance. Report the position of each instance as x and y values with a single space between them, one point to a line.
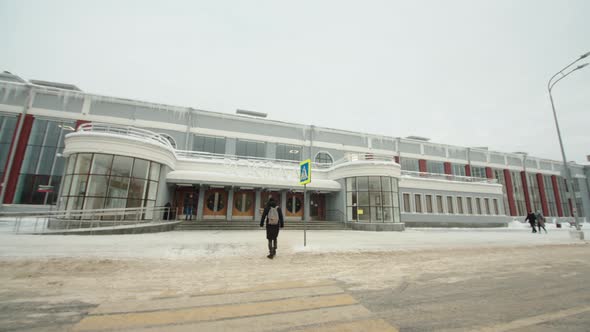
565 75
549 85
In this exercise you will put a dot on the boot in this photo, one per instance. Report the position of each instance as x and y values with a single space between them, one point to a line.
270 250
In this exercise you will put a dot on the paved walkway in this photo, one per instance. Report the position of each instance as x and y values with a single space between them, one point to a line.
287 306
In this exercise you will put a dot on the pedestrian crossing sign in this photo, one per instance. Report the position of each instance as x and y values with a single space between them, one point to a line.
305 172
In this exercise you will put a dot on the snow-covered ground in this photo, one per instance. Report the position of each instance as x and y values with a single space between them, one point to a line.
225 243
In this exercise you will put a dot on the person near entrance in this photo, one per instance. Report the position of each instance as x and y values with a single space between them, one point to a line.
273 216
188 207
532 218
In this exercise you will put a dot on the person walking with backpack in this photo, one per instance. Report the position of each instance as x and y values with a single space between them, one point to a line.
274 220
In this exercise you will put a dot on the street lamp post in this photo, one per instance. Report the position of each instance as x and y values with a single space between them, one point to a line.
568 175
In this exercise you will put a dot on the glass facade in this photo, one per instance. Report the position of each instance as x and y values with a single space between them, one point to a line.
372 199
43 165
436 167
7 128
534 194
563 196
550 196
97 181
251 149
518 191
209 144
499 175
289 152
458 169
409 164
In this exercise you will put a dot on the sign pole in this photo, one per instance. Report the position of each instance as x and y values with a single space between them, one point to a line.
304 213
304 179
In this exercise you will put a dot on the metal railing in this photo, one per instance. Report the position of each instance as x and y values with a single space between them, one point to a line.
127 131
186 154
75 220
447 177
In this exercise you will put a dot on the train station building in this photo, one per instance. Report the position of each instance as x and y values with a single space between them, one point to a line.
63 148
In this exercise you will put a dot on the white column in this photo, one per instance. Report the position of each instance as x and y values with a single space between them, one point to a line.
230 204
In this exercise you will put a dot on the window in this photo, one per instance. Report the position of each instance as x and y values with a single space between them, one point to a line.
496 209
436 167
439 204
450 204
534 193
251 149
478 172
418 203
41 165
407 208
376 197
289 152
478 205
458 169
487 204
323 158
550 196
469 205
209 144
429 203
7 127
97 181
460 205
518 193
409 164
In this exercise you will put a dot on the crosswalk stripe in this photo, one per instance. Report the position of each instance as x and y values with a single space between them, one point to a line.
180 316
271 286
267 323
208 300
369 325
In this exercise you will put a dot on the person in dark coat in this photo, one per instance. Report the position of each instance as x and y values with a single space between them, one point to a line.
272 231
531 218
168 211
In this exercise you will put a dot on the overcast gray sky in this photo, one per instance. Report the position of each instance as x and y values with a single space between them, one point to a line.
470 73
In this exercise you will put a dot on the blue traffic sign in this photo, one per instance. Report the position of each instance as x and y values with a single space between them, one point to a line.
305 172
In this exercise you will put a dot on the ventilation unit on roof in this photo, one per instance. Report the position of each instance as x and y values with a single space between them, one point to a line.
56 85
251 113
419 138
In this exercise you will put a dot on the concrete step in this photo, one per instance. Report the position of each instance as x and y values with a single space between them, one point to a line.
251 225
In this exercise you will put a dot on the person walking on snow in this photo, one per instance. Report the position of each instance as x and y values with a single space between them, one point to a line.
274 219
540 222
531 218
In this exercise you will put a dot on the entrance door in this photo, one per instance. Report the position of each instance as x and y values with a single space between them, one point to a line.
317 208
294 205
243 208
215 206
266 195
185 205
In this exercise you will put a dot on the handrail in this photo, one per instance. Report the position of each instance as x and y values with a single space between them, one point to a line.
56 221
150 136
448 177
